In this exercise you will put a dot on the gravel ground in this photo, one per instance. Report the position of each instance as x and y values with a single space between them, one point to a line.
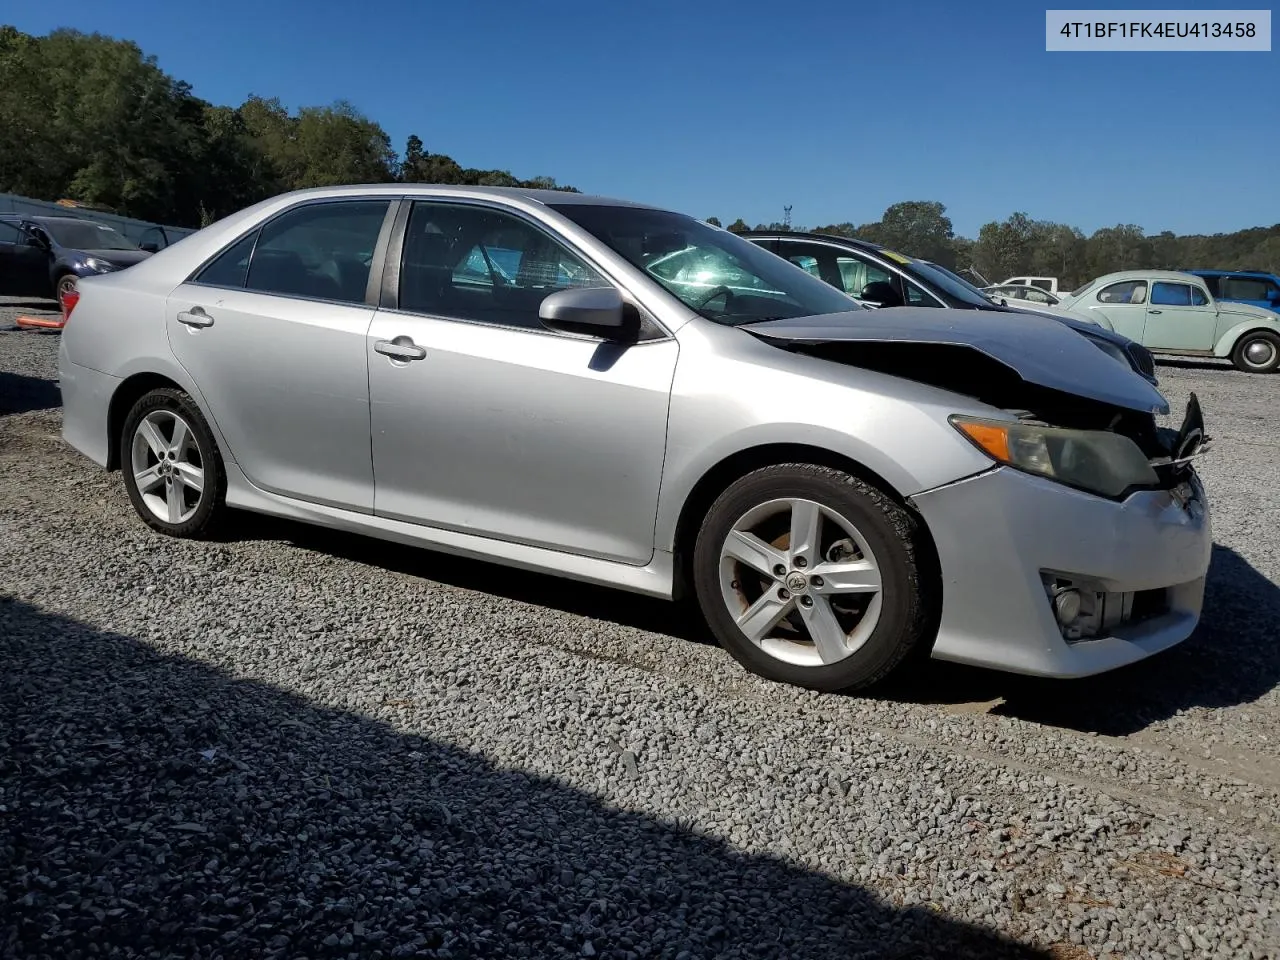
296 743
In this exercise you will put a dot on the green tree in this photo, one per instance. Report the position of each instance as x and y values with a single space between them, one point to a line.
714 221
919 228
739 226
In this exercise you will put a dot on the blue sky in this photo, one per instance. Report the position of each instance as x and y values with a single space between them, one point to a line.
736 107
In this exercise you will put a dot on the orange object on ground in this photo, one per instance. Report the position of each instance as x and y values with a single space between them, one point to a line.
41 323
69 301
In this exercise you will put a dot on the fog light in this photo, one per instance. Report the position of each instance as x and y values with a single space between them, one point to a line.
1066 606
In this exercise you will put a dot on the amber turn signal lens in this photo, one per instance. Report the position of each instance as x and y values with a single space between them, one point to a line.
990 437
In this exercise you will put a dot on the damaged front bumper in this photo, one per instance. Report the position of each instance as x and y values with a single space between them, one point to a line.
1009 544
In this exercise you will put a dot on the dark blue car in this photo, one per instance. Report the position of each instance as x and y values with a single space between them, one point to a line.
44 256
1242 286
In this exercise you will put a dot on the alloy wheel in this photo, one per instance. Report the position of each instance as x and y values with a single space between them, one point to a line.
167 466
801 582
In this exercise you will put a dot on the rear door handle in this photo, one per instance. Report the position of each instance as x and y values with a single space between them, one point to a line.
195 317
1155 311
401 348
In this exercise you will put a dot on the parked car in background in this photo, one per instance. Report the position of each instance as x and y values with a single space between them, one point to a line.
640 400
1020 294
1174 313
1044 283
879 277
46 256
1253 287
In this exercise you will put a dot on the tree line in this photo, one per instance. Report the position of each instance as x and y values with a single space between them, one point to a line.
1020 246
92 118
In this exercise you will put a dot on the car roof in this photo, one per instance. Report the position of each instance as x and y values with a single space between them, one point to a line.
801 235
43 219
1261 274
546 197
1144 275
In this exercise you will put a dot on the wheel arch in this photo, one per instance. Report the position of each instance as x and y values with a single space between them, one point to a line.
722 474
1227 342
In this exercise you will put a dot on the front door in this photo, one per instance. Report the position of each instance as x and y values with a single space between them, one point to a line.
24 267
273 335
1179 317
487 423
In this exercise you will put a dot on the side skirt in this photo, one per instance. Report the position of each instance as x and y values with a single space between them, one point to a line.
653 580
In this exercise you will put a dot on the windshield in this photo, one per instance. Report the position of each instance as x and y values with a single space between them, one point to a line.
717 273
954 286
85 235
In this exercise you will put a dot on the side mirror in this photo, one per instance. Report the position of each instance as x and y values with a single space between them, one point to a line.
150 246
595 311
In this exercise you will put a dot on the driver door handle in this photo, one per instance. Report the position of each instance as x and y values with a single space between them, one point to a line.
195 317
401 348
1154 311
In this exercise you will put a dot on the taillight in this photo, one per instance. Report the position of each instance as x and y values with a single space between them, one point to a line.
69 301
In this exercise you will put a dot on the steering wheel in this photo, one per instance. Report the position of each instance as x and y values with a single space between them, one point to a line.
715 292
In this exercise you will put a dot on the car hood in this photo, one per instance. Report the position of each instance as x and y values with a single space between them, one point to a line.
123 258
1044 351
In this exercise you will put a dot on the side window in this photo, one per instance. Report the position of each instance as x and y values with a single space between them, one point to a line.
479 264
1244 288
320 250
1036 295
1128 291
855 274
917 297
1198 298
1042 284
1171 294
9 232
1213 282
230 267
154 235
807 263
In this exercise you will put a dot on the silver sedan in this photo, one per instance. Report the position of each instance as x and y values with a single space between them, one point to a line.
631 397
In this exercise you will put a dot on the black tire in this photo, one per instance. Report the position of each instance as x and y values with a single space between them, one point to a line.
908 595
66 281
1241 361
210 505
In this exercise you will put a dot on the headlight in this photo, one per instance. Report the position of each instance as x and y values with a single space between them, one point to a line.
1095 460
99 266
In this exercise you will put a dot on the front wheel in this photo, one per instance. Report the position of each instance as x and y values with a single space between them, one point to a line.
172 472
809 576
1258 351
66 284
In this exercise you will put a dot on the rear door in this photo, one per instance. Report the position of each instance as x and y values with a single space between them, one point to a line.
273 330
24 267
1180 316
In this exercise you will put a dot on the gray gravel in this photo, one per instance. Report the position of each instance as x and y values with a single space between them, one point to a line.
295 743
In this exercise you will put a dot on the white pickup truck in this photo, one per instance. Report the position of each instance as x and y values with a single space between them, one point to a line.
1044 283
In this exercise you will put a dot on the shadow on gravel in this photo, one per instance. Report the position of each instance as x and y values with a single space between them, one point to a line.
154 806
1232 658
599 603
34 304
21 394
1190 363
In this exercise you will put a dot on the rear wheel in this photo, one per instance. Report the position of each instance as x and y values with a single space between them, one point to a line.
1257 351
172 471
809 576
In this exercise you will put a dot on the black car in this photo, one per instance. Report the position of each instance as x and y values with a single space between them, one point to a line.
44 256
879 277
